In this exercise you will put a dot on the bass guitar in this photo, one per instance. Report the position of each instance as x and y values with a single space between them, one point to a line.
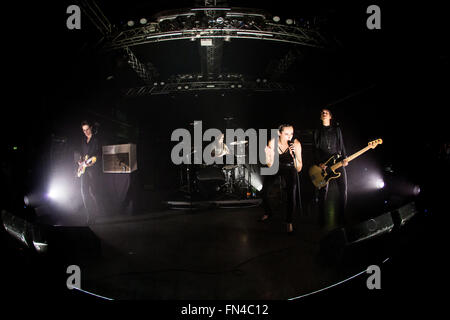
320 177
85 163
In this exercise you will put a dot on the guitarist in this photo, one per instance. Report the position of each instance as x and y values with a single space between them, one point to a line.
328 141
90 191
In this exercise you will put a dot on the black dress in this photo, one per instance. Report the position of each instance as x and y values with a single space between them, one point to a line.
289 173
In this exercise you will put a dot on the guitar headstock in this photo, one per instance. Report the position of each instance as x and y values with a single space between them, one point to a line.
374 143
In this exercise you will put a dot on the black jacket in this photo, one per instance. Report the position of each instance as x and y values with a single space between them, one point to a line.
327 142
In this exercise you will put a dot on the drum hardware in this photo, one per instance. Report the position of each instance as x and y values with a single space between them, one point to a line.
238 143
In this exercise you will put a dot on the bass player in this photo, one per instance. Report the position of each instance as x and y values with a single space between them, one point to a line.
328 141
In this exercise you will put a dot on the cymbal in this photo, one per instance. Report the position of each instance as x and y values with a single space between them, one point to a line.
236 143
230 167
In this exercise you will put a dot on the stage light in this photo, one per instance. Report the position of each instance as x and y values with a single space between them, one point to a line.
220 20
276 18
416 190
289 21
379 183
27 201
143 21
130 23
35 199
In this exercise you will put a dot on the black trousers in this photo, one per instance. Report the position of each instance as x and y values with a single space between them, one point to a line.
289 175
90 193
333 204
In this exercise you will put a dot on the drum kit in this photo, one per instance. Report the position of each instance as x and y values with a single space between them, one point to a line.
218 181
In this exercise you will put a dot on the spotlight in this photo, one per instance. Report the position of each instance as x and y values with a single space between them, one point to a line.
379 184
27 201
416 190
35 199
143 21
289 21
219 20
276 18
130 23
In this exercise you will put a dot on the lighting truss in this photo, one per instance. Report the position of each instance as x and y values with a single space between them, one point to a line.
195 83
208 23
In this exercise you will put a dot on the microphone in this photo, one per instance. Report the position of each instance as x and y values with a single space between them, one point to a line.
290 143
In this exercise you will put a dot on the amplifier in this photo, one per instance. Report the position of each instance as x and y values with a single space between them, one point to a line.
119 158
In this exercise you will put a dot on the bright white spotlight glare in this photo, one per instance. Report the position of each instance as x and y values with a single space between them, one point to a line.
379 184
58 191
289 21
276 18
143 21
130 23
416 190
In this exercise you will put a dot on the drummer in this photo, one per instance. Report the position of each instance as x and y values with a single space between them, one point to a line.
220 148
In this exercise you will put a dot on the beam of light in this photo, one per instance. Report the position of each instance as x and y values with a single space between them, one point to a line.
59 190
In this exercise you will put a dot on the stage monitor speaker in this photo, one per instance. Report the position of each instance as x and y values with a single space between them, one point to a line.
119 158
403 214
338 241
370 228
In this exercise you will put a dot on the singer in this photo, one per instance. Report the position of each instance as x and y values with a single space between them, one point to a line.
290 163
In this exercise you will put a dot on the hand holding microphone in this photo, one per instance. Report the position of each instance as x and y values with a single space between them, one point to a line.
292 148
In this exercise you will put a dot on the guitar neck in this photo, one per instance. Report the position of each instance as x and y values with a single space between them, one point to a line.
350 158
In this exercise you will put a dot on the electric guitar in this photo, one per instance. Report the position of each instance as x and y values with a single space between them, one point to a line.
320 177
85 163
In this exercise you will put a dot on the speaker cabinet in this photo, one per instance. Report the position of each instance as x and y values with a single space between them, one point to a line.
404 214
370 228
119 158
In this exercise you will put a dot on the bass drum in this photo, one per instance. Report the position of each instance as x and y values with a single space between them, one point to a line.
210 181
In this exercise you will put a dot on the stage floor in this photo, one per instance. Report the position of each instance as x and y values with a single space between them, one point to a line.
208 254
